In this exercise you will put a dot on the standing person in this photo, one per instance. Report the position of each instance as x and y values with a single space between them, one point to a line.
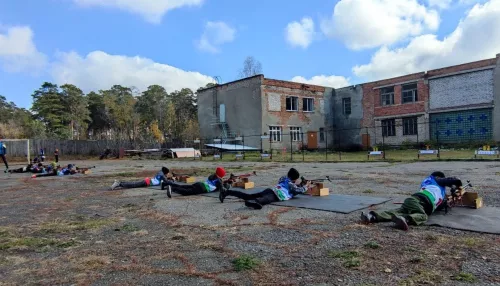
158 179
3 152
283 191
212 184
56 155
42 154
416 209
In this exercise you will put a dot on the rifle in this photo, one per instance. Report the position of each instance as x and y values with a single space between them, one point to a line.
177 177
457 194
304 181
233 178
84 168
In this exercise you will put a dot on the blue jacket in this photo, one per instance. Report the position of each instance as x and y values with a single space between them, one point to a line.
3 148
286 190
155 181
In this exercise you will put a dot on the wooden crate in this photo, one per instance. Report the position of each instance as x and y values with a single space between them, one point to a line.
244 185
187 179
86 172
319 190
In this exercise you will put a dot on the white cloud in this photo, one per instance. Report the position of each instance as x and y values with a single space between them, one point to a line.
364 24
476 37
215 35
99 70
301 33
152 10
18 52
324 80
442 4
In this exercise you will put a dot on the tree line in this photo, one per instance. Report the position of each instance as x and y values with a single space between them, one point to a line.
66 112
124 113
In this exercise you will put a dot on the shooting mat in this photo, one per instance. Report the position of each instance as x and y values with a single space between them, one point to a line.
485 219
333 203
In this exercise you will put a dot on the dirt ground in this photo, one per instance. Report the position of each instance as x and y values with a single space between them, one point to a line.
74 231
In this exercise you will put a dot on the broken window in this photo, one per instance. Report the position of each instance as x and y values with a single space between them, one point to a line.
346 106
292 103
389 127
308 104
409 93
387 96
275 133
296 133
410 126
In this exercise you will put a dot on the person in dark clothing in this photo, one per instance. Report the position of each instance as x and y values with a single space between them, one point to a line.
284 190
416 209
42 154
105 154
56 155
212 184
3 152
26 169
157 180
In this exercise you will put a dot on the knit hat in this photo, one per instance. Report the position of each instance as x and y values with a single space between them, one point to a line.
438 174
293 174
165 170
220 172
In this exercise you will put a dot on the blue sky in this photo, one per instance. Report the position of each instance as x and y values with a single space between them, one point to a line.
95 45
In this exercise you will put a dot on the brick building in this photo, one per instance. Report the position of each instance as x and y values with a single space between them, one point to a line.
452 104
256 105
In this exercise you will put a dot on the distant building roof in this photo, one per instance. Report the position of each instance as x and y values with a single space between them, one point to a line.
232 147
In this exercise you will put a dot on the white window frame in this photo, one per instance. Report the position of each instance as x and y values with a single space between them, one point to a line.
383 94
344 100
410 126
413 93
275 133
306 99
296 133
292 98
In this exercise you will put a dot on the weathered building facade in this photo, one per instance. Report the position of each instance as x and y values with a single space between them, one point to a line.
346 114
461 102
291 114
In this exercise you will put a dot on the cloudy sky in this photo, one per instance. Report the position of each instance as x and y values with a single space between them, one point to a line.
185 43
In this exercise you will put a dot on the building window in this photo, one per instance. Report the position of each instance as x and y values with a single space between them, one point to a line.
346 106
296 133
389 127
322 135
292 103
275 133
410 126
387 96
308 104
409 93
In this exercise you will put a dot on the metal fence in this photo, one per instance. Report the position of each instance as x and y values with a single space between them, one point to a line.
392 139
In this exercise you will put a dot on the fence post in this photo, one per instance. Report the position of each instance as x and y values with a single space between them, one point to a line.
437 141
271 147
243 142
326 144
291 149
383 147
303 155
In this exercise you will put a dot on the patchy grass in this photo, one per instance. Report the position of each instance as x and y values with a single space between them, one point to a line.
350 258
92 262
245 262
472 241
61 226
369 191
372 245
465 277
128 228
35 243
344 254
422 277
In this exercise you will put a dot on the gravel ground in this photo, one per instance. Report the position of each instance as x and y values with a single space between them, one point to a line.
74 231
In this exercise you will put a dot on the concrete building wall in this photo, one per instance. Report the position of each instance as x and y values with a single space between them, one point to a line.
496 109
399 138
466 89
274 93
243 110
347 126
